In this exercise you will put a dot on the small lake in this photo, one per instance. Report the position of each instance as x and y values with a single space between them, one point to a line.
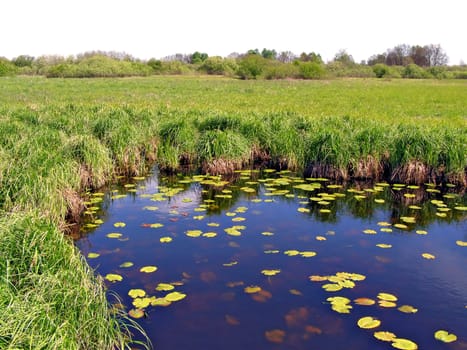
259 261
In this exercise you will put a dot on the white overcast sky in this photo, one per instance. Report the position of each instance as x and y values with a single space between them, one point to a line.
158 28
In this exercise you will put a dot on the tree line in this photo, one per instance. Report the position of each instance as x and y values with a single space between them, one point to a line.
402 61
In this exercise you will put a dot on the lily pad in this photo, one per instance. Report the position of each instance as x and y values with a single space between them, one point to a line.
175 296
404 344
408 309
387 297
385 336
164 287
445 337
113 277
148 269
136 293
252 289
368 322
136 313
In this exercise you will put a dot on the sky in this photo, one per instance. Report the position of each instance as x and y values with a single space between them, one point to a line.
157 28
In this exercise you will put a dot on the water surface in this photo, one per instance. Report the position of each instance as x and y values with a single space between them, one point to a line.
280 219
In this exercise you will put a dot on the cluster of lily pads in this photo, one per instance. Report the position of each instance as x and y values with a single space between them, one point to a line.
310 193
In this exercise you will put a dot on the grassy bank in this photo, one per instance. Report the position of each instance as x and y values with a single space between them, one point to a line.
60 138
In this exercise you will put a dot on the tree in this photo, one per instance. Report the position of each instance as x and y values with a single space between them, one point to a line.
311 57
286 57
23 61
345 58
436 55
269 54
375 59
198 57
419 56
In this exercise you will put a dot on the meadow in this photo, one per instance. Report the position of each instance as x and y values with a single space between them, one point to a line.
61 138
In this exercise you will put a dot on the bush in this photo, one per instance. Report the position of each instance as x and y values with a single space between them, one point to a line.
412 71
7 68
279 70
251 66
217 65
380 70
311 70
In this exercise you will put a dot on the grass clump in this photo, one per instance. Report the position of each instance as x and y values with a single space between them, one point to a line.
44 281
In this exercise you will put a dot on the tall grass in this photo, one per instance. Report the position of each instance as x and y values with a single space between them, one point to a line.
49 298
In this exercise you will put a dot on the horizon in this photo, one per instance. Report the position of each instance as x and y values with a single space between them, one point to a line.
148 29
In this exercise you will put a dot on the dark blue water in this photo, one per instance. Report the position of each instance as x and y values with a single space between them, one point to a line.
213 272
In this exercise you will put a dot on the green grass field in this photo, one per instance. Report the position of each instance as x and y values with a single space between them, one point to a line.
62 137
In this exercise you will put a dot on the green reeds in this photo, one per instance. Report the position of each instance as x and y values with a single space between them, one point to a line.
49 298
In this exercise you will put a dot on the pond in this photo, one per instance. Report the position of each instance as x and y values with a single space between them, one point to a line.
270 260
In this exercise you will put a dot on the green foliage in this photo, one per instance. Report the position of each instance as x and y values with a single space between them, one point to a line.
6 68
413 71
49 296
279 70
98 66
311 70
217 65
380 70
251 66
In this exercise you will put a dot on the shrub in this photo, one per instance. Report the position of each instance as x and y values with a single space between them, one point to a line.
412 71
7 68
380 70
311 70
251 66
279 70
219 66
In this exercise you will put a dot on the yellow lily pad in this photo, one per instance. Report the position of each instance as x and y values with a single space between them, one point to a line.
445 337
291 252
385 336
368 322
401 226
193 233
141 303
332 287
308 254
404 344
461 243
164 287
135 293
119 224
113 277
252 289
270 272
210 234
384 245
369 232
93 255
175 296
385 303
387 297
148 269
114 235
156 225
165 239
428 256
421 232
126 264
320 238
408 309
160 302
